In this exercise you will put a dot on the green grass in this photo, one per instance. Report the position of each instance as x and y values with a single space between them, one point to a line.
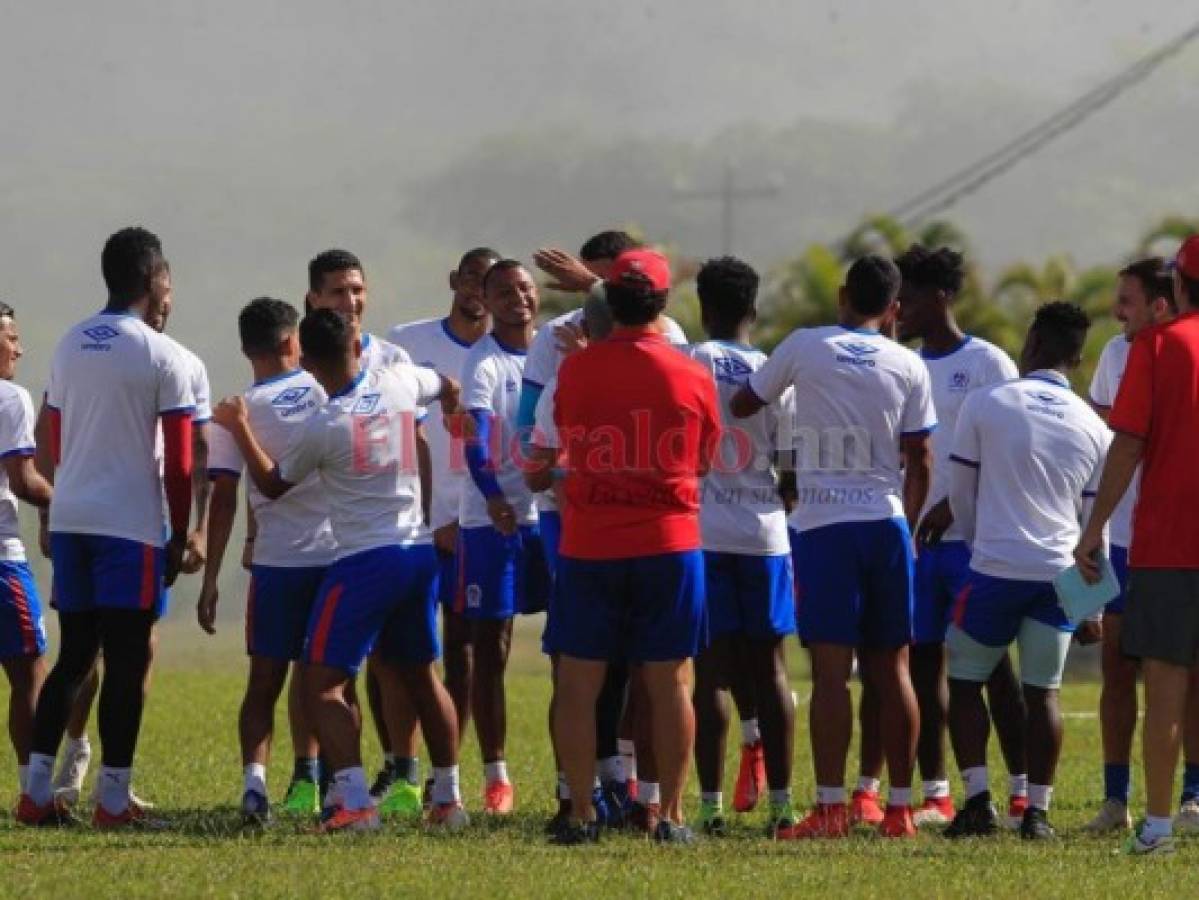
188 763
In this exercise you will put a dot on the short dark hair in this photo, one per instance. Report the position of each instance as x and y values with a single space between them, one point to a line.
607 245
942 269
502 265
328 262
1155 278
130 260
477 253
1190 287
325 334
1061 330
728 290
263 323
633 302
6 311
872 284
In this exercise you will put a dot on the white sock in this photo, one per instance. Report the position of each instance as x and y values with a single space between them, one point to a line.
712 797
780 798
935 790
114 789
649 792
868 784
900 796
750 734
81 743
22 778
255 778
628 752
1157 827
445 785
496 771
351 788
612 768
39 778
1018 785
976 780
1039 796
563 787
829 795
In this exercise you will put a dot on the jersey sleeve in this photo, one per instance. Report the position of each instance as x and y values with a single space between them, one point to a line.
1103 383
174 384
998 369
919 416
304 453
777 373
223 456
1132 408
54 393
966 447
16 425
545 430
710 423
541 363
201 391
426 385
478 386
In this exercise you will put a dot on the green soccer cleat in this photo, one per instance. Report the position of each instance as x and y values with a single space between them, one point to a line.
782 816
303 798
403 801
711 819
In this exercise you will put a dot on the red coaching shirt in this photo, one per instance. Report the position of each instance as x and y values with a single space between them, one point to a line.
637 421
1158 401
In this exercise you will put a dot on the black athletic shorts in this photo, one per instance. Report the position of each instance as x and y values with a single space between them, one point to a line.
1161 616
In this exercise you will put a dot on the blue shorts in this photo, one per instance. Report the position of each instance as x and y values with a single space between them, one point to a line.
278 606
22 632
447 577
941 573
550 523
1119 558
500 576
990 609
749 595
854 583
93 571
361 593
643 609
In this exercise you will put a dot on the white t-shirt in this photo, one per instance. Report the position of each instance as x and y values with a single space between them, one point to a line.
974 364
1105 384
293 530
432 343
362 443
111 378
740 508
1038 448
378 353
16 439
856 394
491 378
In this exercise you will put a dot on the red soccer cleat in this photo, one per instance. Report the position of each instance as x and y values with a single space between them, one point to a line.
751 777
934 811
824 821
350 820
897 823
133 816
498 798
864 809
1016 806
53 814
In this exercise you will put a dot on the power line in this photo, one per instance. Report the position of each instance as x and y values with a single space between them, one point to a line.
729 193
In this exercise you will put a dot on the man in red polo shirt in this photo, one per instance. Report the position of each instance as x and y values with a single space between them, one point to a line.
1155 420
637 422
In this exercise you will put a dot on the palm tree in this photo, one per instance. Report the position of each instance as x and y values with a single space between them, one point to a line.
1165 236
1024 287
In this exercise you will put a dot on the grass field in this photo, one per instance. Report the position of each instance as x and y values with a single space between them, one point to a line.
188 763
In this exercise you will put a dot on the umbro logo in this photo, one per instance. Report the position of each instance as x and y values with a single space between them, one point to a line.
959 381
1046 398
856 353
366 405
731 370
99 335
291 396
510 386
1046 404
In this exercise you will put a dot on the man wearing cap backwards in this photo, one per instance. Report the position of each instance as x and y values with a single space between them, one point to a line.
1154 419
630 572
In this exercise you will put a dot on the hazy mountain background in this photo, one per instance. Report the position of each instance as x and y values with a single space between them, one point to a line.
250 135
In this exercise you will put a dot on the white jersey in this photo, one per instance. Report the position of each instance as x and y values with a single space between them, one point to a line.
1038 449
491 378
362 443
1105 384
435 346
974 364
197 375
16 439
111 378
293 530
544 356
740 508
378 353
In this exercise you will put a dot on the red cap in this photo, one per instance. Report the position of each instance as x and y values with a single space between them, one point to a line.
1187 259
649 265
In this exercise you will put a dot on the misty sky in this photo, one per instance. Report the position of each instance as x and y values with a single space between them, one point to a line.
252 134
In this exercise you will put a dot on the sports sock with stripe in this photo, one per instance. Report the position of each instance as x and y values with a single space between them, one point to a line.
114 789
255 778
38 783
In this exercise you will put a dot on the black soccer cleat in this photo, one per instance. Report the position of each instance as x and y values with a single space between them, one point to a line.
976 819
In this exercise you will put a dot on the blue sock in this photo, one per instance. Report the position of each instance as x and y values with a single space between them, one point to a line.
306 770
1117 782
1190 782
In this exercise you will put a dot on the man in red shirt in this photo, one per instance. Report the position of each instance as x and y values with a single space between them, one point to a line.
637 423
1154 419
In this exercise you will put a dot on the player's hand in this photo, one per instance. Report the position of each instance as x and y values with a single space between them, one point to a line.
195 553
247 554
1090 631
451 395
934 524
1086 556
503 516
230 412
567 273
445 539
569 338
175 549
206 607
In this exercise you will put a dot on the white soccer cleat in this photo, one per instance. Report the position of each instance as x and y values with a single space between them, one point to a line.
1187 820
72 770
1113 816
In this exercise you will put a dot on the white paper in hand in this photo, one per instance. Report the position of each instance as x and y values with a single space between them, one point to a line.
1081 600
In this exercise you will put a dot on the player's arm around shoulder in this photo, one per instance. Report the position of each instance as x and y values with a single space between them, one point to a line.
232 414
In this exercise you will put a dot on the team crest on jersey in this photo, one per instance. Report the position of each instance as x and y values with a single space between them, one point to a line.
291 396
856 353
959 381
366 405
510 386
1046 403
731 370
99 336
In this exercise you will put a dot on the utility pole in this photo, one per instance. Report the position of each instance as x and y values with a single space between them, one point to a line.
729 193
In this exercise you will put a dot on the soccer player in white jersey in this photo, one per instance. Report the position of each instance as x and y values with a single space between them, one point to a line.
1027 456
1144 297
292 549
382 586
501 562
864 414
747 557
112 380
22 632
442 344
958 364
